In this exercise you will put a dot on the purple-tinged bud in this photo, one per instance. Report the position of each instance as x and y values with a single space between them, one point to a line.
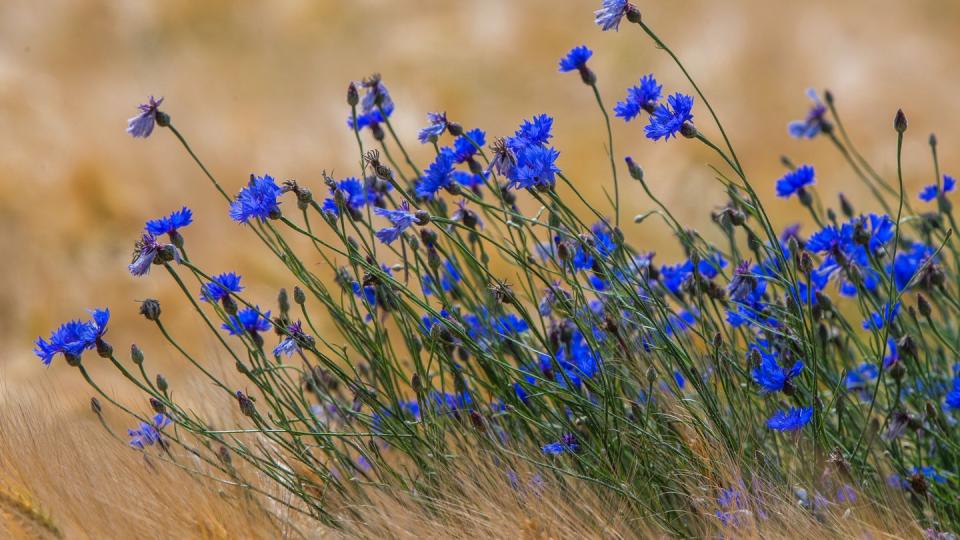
299 296
636 172
104 349
923 305
688 130
223 455
229 305
422 217
455 129
246 404
353 96
283 301
633 14
136 354
845 206
162 383
587 75
150 309
900 122
158 406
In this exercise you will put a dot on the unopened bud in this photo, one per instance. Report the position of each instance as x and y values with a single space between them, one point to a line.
636 172
150 309
157 406
845 206
162 383
900 121
283 301
353 96
299 296
95 406
136 354
422 217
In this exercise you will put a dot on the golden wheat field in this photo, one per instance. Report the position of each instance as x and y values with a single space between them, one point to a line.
260 87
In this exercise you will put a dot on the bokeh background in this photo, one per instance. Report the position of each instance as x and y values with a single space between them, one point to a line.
259 87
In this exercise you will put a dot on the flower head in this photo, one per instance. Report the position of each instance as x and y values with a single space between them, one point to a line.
295 340
170 224
668 119
795 180
814 123
886 316
567 443
536 167
931 192
355 195
790 419
142 124
465 146
72 338
148 251
770 376
221 287
248 321
610 13
534 131
438 125
148 434
257 200
401 218
639 98
437 176
575 59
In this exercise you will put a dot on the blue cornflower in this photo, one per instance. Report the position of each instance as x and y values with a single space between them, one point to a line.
857 378
951 401
355 195
401 218
610 13
536 167
72 338
814 123
639 98
710 267
375 107
567 443
257 200
249 321
449 277
886 316
148 434
220 287
575 59
679 322
791 419
142 124
438 124
930 192
668 119
535 131
169 224
930 473
466 145
908 263
673 276
770 376
293 342
439 175
796 180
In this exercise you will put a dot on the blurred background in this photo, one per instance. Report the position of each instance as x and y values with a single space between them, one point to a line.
259 87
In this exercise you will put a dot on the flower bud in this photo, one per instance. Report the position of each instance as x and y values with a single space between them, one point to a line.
157 406
900 121
636 172
162 383
104 349
150 309
923 305
299 296
688 130
845 206
353 96
422 216
136 354
95 406
283 301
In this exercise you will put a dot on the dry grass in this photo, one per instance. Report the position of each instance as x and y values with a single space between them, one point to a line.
65 476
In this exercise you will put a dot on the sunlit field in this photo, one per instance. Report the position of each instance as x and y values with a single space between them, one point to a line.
483 269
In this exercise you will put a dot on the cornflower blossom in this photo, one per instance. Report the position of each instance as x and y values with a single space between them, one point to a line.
142 124
671 118
814 123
